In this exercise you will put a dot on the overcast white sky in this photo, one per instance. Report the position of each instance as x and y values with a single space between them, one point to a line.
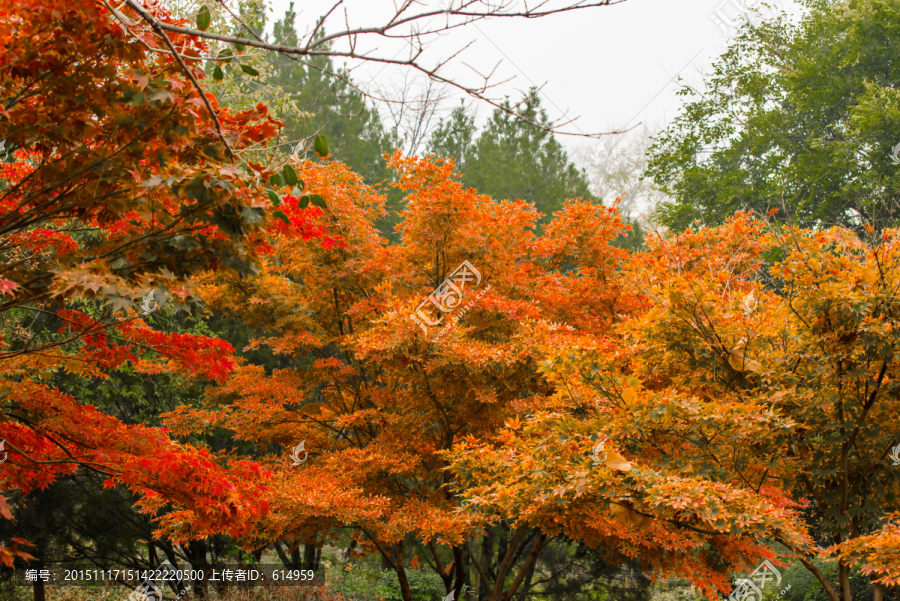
611 66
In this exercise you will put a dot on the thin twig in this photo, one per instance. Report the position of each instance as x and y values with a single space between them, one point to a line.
157 27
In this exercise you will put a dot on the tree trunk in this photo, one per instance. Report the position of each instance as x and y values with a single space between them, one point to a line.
529 564
169 552
295 556
349 550
844 582
467 568
39 593
823 581
285 560
196 552
460 572
405 589
487 550
526 586
502 542
258 553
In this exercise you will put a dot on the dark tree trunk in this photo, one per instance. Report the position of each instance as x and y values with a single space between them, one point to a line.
349 550
295 557
169 552
487 550
460 572
405 589
39 593
844 582
196 552
467 568
309 557
258 553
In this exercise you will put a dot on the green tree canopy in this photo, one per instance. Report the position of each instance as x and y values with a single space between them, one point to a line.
803 114
338 110
511 159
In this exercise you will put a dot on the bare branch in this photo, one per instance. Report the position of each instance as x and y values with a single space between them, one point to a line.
414 27
157 26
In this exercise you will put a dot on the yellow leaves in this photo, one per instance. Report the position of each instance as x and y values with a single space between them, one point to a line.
629 395
628 516
513 424
869 275
739 362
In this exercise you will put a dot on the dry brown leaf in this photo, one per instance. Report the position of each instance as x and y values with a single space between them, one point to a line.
753 366
617 462
620 512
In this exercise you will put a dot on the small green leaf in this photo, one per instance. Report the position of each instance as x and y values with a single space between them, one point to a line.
297 191
249 70
239 47
275 180
226 55
290 176
203 19
304 202
282 216
321 146
274 197
217 73
317 200
137 99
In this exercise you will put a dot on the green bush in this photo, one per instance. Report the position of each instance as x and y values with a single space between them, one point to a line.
384 585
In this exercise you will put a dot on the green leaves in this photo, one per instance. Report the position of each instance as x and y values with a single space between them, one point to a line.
314 199
321 146
249 70
203 19
217 73
276 200
276 180
290 176
282 216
